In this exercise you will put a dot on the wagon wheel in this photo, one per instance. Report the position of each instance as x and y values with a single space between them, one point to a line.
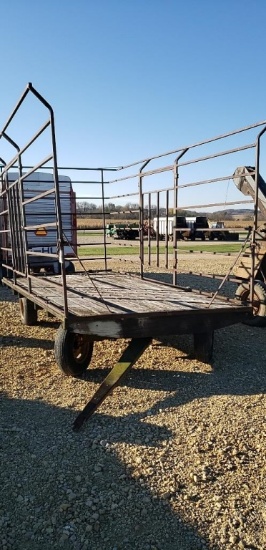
28 312
72 352
258 318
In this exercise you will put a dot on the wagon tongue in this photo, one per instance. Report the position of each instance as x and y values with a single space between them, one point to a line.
131 354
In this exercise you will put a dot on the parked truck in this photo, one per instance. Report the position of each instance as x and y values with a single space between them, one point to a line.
186 227
128 232
218 231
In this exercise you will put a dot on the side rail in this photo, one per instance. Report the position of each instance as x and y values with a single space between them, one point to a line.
183 192
23 196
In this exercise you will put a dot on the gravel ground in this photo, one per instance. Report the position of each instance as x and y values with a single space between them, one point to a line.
173 460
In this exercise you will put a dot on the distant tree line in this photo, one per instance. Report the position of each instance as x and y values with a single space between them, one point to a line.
130 211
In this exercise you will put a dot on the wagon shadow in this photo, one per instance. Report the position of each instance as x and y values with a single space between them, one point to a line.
25 342
240 375
196 282
91 469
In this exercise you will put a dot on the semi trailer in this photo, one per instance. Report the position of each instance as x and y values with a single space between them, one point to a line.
38 220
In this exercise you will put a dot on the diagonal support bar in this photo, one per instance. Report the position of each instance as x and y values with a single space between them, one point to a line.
129 357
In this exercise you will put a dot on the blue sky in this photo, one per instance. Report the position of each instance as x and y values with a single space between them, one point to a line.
131 79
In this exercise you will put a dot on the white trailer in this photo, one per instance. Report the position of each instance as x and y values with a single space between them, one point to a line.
189 227
40 213
160 225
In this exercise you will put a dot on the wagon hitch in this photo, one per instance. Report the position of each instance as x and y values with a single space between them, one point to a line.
128 358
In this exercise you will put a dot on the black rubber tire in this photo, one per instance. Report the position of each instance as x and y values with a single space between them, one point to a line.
72 352
28 312
258 319
70 268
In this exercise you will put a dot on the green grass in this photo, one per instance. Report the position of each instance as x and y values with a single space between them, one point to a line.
225 248
92 233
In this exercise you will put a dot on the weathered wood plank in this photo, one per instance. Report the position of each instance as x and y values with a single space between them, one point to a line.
119 294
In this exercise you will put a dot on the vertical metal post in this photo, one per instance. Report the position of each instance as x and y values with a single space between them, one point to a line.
104 220
255 222
167 236
23 223
61 248
176 176
157 239
60 235
141 219
11 227
149 229
16 221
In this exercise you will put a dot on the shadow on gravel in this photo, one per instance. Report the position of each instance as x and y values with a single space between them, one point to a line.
196 282
66 490
238 369
24 342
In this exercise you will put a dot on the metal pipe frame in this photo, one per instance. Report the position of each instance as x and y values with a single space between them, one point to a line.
162 195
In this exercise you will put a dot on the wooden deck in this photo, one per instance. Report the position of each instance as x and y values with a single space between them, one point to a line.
115 305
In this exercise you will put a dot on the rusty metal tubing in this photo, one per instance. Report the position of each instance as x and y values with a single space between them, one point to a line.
20 101
220 154
193 184
193 161
225 278
149 229
9 189
176 176
104 220
57 196
21 151
6 167
167 153
197 144
192 206
166 240
38 197
43 254
13 226
141 241
11 141
205 182
255 223
157 233
50 224
21 240
23 219
122 196
149 173
36 167
33 169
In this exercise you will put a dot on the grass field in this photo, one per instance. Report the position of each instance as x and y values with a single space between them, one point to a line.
123 250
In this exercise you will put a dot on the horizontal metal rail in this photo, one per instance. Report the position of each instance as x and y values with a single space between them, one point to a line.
194 145
44 254
211 205
38 197
30 227
24 149
203 182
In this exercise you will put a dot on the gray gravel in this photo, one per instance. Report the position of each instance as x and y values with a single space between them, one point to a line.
173 460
